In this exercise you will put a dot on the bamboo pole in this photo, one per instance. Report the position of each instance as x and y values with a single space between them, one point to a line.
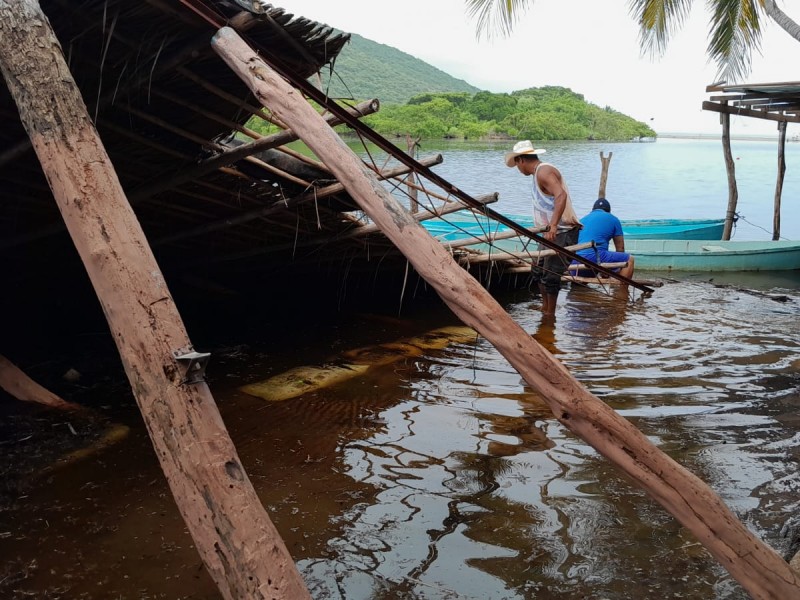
756 566
238 543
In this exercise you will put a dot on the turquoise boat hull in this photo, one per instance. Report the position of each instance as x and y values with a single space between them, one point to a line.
699 255
456 227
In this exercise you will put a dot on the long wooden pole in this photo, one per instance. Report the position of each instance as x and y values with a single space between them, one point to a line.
730 170
757 567
238 543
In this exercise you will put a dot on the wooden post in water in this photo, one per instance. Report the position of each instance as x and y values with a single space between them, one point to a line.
730 169
238 543
757 567
412 145
601 193
776 218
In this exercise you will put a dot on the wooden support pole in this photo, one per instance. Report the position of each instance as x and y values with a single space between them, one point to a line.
776 217
756 566
605 162
14 381
730 169
238 543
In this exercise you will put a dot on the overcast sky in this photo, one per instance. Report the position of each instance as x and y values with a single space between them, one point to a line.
589 46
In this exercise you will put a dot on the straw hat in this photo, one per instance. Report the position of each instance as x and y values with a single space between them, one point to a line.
520 148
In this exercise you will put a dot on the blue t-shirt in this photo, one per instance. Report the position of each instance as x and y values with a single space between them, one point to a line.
599 226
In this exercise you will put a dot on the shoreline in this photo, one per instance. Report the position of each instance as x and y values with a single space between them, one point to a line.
718 136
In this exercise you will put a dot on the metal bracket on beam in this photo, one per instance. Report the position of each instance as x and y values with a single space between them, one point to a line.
194 363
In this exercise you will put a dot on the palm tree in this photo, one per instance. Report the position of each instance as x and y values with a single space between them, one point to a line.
735 26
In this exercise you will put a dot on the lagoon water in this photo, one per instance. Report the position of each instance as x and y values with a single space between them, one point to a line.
442 475
670 178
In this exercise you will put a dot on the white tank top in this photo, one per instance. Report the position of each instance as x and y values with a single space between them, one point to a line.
543 205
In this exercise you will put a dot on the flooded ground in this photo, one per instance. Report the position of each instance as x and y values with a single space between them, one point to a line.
441 475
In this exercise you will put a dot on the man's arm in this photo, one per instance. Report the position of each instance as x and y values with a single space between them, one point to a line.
550 182
619 243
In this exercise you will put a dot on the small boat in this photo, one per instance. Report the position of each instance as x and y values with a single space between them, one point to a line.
705 255
456 227
673 229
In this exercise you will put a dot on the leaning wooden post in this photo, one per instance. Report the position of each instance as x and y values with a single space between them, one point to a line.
756 566
14 381
776 218
238 543
601 193
730 169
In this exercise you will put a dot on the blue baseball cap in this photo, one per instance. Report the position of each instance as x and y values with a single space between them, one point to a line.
602 204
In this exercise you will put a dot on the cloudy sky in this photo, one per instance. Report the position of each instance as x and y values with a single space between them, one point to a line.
588 46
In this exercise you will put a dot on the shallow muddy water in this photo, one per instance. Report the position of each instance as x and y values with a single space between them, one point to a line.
441 474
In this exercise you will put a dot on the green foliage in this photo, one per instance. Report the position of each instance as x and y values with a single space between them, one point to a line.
422 101
548 113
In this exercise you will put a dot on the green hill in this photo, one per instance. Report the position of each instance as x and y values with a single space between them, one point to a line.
373 70
420 100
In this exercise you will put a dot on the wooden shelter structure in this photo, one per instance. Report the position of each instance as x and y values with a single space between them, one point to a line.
126 105
778 102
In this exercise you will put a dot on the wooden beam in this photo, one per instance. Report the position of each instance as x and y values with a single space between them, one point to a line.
231 156
756 566
14 381
232 532
279 206
489 238
744 112
480 257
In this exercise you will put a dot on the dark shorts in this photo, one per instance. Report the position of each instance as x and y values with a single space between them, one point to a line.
547 272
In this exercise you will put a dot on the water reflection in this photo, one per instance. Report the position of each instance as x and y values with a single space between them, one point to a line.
443 475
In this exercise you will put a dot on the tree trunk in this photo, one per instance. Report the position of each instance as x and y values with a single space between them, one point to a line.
730 169
15 382
782 19
760 570
236 539
776 217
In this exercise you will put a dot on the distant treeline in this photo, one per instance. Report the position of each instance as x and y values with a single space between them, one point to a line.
546 113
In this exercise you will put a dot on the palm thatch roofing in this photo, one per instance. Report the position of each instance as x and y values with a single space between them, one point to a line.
164 104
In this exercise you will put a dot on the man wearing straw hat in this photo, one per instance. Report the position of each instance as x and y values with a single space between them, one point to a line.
552 207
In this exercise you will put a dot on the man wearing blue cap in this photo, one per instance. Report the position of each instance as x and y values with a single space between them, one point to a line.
600 226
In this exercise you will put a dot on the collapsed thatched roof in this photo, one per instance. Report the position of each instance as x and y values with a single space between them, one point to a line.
164 102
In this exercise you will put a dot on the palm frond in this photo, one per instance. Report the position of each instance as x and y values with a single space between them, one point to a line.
658 21
496 16
735 33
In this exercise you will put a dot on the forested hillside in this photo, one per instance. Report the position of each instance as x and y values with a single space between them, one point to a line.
366 69
420 100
